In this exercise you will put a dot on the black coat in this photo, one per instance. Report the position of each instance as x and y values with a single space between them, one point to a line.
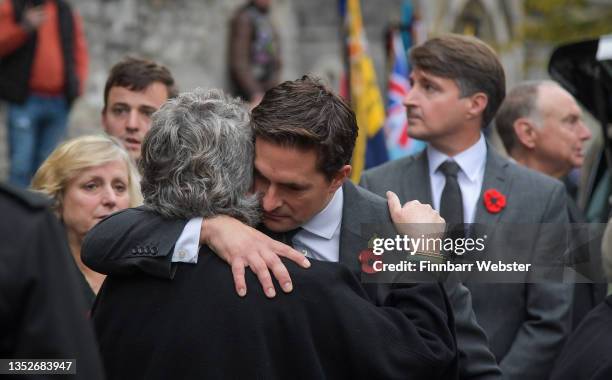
585 258
195 326
42 311
587 355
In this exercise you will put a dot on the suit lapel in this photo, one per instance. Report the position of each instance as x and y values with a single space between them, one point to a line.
351 239
494 178
416 183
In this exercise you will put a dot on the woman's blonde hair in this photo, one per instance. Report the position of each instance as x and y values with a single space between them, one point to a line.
69 159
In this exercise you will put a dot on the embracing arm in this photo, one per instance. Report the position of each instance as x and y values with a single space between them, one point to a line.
422 314
139 240
476 359
408 333
132 240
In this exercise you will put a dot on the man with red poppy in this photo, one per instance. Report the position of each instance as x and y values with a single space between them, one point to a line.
457 85
541 127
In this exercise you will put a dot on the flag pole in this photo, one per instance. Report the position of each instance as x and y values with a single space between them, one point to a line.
345 80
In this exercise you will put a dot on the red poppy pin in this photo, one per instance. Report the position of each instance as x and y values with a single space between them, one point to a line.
494 201
367 259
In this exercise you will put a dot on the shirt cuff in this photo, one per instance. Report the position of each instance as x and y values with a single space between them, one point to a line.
188 244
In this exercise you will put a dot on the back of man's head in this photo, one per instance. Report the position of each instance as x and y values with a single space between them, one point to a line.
520 102
541 126
304 113
197 159
471 63
136 74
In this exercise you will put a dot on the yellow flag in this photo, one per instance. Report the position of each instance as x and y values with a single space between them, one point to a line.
365 94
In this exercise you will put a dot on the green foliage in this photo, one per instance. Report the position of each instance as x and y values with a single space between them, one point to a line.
565 20
547 7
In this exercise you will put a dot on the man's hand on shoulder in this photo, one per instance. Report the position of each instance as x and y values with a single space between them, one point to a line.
415 218
242 246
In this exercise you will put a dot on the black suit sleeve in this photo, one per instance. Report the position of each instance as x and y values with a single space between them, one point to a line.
133 240
603 373
408 335
423 311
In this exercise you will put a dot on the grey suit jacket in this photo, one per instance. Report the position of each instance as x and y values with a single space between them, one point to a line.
526 323
137 240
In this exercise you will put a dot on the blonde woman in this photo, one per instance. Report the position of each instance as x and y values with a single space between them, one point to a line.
88 178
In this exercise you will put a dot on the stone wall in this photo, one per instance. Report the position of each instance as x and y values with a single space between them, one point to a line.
189 36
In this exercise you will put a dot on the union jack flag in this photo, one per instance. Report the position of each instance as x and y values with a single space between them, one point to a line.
399 144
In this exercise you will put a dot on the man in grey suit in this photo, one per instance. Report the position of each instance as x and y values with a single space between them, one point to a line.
457 85
304 138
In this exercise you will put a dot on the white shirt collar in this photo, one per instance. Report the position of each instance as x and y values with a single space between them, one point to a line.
326 222
470 160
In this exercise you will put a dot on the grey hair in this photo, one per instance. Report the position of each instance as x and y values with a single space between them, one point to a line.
197 159
521 101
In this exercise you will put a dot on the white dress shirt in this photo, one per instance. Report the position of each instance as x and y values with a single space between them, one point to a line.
470 177
319 238
188 244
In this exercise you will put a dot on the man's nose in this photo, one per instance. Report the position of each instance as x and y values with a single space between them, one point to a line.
584 132
271 201
410 98
133 121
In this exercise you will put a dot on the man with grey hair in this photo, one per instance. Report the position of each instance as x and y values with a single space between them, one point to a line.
197 161
541 127
194 137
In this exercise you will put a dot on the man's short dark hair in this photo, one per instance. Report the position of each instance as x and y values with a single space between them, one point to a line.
136 74
306 114
471 63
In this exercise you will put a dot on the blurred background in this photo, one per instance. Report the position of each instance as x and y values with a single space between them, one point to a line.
190 37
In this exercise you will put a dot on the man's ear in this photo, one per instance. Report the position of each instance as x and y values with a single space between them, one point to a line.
340 176
477 104
525 132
